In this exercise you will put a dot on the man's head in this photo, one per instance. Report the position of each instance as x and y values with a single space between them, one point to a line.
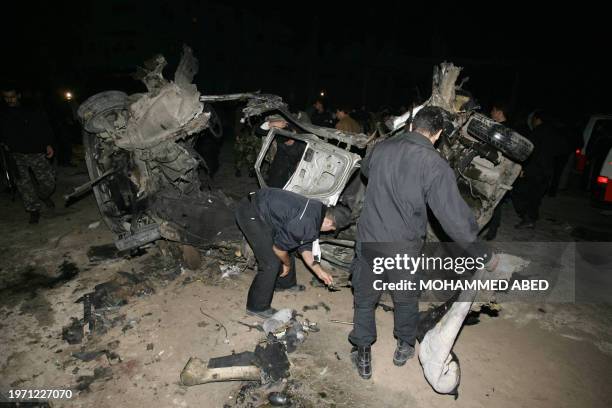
336 218
319 106
12 97
537 118
500 111
429 122
342 112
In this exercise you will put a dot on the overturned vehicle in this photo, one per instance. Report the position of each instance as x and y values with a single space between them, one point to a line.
144 173
144 169
484 154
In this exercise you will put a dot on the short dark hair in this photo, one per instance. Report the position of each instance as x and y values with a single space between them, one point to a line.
344 108
340 215
502 105
540 114
429 119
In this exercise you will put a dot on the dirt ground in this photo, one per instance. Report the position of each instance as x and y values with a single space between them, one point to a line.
531 355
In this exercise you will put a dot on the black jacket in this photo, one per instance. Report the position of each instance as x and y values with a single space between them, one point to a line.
405 175
25 130
295 220
323 119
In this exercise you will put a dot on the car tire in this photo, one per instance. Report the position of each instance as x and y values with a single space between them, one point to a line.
506 140
103 195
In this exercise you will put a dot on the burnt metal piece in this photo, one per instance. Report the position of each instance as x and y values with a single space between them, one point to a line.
272 360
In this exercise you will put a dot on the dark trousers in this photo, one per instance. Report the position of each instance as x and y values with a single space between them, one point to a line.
260 237
495 221
405 303
555 180
527 196
35 179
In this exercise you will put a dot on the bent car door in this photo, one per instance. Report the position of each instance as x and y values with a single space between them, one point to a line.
321 172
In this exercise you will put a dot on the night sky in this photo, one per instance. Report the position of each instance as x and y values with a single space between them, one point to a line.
552 56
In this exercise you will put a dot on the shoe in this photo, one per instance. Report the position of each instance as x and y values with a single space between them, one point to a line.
49 203
34 217
403 353
294 288
238 173
362 359
264 314
251 173
524 224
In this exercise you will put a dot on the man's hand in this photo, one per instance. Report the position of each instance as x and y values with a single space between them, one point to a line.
324 276
278 124
285 272
284 258
316 268
50 152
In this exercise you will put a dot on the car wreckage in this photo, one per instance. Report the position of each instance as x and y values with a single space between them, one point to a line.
144 172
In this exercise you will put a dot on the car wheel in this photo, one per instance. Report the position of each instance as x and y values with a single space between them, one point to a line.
504 139
103 191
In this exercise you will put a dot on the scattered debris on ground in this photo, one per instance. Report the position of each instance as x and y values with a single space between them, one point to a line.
266 369
323 305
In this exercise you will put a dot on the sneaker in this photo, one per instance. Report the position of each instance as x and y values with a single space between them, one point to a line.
524 224
403 353
34 217
362 360
264 314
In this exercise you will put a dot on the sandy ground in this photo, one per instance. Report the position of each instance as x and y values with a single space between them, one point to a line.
531 355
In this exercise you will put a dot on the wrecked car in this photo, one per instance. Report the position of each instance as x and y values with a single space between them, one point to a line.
484 154
144 174
144 170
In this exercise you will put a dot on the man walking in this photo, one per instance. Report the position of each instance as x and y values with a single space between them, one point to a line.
405 175
27 134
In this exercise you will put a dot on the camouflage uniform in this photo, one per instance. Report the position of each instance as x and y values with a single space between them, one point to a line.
246 149
44 175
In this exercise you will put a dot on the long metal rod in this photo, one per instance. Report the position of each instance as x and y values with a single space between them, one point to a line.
83 188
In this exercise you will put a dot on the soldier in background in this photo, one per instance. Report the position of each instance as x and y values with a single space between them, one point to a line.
246 148
345 122
319 116
27 134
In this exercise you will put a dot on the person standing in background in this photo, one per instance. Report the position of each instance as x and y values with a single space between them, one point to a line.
27 134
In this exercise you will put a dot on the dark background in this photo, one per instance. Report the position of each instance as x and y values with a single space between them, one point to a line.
548 56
